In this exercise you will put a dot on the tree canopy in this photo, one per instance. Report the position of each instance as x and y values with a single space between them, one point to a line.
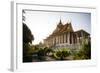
27 35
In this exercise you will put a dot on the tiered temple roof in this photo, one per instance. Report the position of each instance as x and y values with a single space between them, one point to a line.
61 28
64 28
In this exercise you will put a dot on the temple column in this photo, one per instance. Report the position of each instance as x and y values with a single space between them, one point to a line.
59 39
56 39
53 40
64 38
68 38
77 39
72 39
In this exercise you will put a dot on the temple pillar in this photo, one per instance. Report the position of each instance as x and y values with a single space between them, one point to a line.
72 38
59 39
68 38
64 38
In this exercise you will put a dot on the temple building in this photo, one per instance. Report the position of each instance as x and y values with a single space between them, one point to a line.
65 37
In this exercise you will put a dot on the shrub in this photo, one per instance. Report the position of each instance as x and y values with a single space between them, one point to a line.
62 54
85 52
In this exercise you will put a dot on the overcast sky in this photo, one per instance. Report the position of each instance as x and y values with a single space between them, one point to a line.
43 23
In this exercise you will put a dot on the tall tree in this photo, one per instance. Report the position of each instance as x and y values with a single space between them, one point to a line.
27 35
27 40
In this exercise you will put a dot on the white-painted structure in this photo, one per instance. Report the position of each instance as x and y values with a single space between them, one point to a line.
65 37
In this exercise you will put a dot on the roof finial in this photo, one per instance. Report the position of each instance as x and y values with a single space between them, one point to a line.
60 21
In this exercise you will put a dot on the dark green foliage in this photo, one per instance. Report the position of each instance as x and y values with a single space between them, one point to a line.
44 51
27 40
27 58
85 52
27 35
27 55
41 52
61 55
47 50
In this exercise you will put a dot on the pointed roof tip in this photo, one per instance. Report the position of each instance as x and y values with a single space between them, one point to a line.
60 21
60 24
